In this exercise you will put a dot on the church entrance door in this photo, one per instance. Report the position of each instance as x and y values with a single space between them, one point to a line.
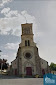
28 71
15 71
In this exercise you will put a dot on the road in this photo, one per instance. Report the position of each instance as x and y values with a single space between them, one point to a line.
20 81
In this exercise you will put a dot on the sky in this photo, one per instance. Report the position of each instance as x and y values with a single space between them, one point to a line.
42 13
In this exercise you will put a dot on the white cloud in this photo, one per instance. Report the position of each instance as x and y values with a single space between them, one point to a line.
9 13
4 2
5 10
28 17
12 56
4 56
13 20
12 46
12 14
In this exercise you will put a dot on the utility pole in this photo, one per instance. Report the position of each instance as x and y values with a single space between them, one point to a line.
1 64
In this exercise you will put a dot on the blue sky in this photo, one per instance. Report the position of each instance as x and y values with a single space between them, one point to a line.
39 12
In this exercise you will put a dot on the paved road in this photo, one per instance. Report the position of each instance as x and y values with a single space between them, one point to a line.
20 81
28 81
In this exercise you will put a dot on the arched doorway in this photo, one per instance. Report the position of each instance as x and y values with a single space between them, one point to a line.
15 71
43 72
28 71
28 67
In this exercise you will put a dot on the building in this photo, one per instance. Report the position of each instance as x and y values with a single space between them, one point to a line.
28 61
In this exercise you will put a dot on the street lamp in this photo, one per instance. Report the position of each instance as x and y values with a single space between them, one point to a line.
1 61
0 51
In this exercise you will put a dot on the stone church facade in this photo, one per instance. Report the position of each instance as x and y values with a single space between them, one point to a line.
28 61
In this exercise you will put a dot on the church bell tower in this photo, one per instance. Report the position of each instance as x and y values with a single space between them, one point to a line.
27 35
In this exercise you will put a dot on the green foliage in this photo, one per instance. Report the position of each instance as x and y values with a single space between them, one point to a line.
53 66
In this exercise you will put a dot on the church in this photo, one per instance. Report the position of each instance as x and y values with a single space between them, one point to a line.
28 61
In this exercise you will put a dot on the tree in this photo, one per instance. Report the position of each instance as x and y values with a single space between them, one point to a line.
4 64
53 66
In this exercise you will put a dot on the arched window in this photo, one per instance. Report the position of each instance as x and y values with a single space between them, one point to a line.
25 42
28 43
